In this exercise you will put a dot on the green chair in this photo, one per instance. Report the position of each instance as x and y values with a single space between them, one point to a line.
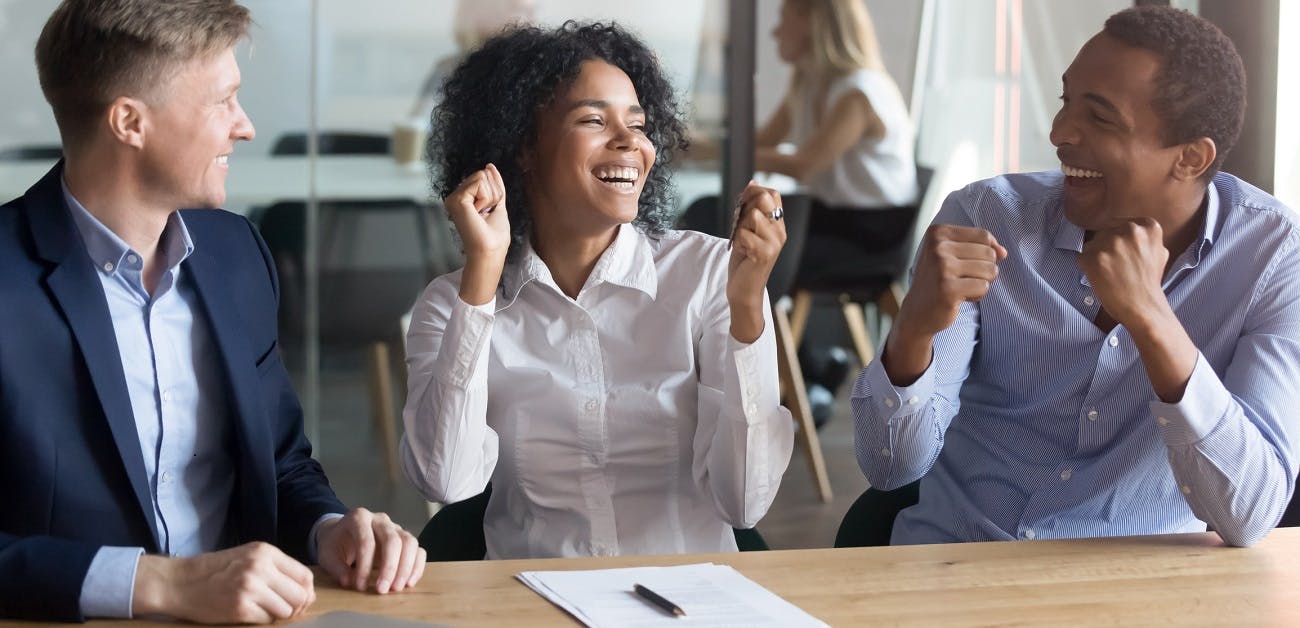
870 520
456 532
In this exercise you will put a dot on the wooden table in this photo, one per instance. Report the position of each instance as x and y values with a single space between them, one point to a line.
1185 579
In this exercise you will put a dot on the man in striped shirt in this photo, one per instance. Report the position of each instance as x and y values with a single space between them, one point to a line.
1111 349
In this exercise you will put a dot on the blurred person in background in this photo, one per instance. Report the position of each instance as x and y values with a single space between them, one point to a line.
474 22
853 137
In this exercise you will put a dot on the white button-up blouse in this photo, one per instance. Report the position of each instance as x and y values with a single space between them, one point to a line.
626 421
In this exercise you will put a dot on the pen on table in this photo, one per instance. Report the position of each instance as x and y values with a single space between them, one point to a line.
658 600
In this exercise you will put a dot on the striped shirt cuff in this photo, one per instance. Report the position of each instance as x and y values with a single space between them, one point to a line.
1203 406
892 402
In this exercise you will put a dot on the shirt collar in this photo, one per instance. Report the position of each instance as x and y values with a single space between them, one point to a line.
1069 236
109 252
628 262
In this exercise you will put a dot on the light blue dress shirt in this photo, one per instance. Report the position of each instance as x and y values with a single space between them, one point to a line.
1033 423
181 419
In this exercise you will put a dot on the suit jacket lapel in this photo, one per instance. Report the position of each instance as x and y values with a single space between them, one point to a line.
257 480
77 289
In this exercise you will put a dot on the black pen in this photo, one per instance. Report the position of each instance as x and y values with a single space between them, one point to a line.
659 600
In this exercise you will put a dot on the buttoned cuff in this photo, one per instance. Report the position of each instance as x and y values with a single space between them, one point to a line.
312 553
750 360
110 583
464 341
891 402
1205 402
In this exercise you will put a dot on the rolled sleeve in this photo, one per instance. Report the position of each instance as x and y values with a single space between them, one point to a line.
110 583
1203 407
896 434
889 402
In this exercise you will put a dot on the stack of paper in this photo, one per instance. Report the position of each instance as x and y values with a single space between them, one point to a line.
711 595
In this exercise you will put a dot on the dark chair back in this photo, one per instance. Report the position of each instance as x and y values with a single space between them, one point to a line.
455 532
50 152
1291 518
870 520
332 143
375 256
797 208
702 214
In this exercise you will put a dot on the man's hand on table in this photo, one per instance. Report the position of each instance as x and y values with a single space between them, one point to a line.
252 583
349 548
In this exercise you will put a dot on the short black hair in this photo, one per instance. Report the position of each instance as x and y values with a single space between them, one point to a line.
1201 83
490 104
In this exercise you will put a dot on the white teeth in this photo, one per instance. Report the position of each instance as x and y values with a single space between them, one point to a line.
1071 171
617 172
223 160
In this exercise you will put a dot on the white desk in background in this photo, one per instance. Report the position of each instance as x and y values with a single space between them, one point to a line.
260 180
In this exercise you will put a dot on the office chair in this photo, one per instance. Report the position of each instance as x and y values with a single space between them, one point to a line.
1291 518
881 278
455 532
332 143
50 152
869 522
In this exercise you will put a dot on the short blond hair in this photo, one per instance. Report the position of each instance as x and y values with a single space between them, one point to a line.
92 52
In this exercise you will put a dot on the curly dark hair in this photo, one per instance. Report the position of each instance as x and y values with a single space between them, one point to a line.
491 103
1201 83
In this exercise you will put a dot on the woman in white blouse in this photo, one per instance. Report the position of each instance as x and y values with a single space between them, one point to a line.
614 380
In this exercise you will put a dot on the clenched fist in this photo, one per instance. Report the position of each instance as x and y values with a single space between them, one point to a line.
955 264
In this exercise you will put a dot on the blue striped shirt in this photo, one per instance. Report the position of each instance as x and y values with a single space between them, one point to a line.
1031 422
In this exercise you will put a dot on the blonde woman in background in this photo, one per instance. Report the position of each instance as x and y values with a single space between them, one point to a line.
852 130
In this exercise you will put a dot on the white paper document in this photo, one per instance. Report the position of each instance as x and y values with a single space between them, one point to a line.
711 595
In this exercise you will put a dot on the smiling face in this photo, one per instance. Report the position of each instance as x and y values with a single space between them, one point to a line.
792 33
1108 137
190 129
591 157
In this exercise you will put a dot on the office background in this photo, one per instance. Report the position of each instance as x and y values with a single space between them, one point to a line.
360 236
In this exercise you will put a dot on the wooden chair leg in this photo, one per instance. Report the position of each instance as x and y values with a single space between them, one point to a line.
381 406
803 301
856 319
796 395
891 300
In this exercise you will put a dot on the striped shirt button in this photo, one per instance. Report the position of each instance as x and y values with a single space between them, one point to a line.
1030 534
1065 475
1092 415
1088 300
1162 421
885 452
1187 490
1114 341
889 403
911 401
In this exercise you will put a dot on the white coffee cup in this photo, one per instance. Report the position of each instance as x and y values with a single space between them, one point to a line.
408 142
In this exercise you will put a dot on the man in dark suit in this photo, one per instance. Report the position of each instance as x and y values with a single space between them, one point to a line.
151 446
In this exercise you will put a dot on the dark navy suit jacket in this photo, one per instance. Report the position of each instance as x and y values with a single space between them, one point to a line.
72 476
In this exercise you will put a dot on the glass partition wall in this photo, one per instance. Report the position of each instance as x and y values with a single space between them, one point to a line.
340 93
